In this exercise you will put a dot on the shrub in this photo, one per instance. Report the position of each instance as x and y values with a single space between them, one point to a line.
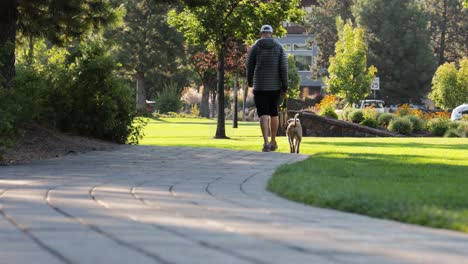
8 111
369 117
405 110
195 110
384 119
418 124
345 113
356 116
328 111
168 100
103 106
463 128
401 125
327 101
452 133
370 122
438 126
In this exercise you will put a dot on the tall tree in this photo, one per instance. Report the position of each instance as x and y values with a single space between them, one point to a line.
449 28
321 22
349 76
218 21
399 46
149 49
55 19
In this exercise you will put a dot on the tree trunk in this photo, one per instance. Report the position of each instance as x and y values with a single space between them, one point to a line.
212 104
235 117
246 93
140 93
8 18
221 124
443 33
205 102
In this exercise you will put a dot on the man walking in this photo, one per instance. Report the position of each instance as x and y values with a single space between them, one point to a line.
267 72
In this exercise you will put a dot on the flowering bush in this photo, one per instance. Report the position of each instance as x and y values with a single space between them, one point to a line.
191 96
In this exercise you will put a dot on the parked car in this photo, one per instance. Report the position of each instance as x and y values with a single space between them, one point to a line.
459 111
378 105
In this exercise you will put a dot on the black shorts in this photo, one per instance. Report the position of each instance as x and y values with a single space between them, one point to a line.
267 102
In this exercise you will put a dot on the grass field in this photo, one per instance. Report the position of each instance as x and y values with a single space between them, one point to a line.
416 180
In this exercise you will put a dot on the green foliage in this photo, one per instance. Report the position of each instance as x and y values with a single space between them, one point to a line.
356 116
438 126
401 125
399 46
321 21
294 79
209 24
452 133
369 117
349 76
168 100
463 128
448 24
450 86
141 49
86 96
370 122
345 113
102 103
418 123
384 119
329 111
8 110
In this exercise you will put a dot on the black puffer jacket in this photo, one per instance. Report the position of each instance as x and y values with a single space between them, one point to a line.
267 66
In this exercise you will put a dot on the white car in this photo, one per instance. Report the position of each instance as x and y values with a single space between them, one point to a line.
459 111
378 105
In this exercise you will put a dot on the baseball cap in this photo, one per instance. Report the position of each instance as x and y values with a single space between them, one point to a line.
266 28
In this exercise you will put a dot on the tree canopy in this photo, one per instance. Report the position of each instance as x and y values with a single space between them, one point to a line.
215 22
399 46
450 86
349 76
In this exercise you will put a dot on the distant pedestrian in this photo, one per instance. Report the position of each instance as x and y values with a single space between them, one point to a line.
267 72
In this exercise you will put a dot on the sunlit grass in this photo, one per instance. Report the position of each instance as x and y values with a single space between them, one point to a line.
416 180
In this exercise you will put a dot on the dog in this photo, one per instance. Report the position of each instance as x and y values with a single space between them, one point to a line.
294 133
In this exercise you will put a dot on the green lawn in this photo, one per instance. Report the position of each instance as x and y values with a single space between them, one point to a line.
416 180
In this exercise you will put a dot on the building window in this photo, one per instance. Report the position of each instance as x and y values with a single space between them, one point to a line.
302 46
303 62
287 46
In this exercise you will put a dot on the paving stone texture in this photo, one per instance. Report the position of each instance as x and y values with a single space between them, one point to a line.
190 205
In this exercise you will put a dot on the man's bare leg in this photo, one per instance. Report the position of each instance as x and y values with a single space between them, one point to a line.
265 126
274 128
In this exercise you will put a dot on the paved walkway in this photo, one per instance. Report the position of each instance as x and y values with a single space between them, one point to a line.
184 205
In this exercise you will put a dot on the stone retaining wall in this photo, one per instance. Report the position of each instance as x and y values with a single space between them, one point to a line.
319 126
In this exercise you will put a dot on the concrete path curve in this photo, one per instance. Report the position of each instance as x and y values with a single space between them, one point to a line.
189 205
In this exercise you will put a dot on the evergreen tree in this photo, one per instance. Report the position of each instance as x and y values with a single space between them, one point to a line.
321 22
150 50
399 46
56 20
449 28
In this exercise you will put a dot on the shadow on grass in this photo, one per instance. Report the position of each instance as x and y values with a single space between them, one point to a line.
390 145
386 186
